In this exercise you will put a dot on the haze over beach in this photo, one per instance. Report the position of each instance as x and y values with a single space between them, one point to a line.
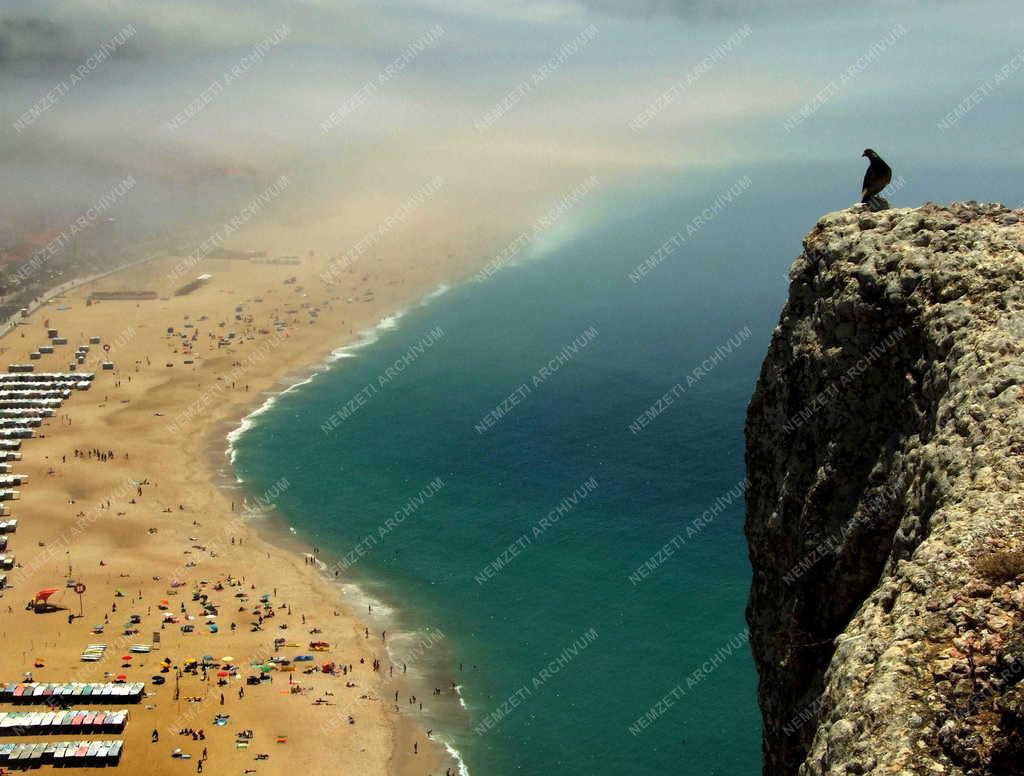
379 378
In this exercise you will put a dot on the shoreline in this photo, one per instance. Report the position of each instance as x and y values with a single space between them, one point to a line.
273 525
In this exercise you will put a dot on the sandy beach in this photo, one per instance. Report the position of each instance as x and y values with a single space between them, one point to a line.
124 497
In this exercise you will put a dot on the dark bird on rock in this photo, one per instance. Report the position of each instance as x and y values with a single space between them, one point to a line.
876 178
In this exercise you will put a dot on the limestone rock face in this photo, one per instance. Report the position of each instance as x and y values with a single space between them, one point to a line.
885 456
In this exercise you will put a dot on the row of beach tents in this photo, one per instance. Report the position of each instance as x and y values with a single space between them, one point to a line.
66 754
37 723
83 692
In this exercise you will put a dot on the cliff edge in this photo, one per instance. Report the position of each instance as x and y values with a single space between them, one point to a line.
885 511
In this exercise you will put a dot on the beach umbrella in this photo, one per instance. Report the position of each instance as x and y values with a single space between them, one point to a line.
228 659
126 657
223 673
122 678
44 594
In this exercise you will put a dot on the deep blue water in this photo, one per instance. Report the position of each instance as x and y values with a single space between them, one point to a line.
573 579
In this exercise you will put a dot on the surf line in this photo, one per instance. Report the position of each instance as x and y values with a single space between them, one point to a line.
368 391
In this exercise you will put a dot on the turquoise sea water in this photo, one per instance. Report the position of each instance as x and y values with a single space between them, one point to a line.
512 594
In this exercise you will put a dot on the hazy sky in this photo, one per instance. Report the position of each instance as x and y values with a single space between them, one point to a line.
512 104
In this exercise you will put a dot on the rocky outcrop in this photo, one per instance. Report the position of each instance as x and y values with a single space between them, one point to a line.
885 507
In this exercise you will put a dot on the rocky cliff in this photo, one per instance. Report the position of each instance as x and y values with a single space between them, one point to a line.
885 511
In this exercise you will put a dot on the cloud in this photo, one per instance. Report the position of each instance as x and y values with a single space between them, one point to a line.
47 34
29 43
540 11
33 39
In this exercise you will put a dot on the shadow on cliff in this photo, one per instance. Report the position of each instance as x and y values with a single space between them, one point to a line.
844 396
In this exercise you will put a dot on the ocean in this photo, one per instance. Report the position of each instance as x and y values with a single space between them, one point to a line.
543 468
